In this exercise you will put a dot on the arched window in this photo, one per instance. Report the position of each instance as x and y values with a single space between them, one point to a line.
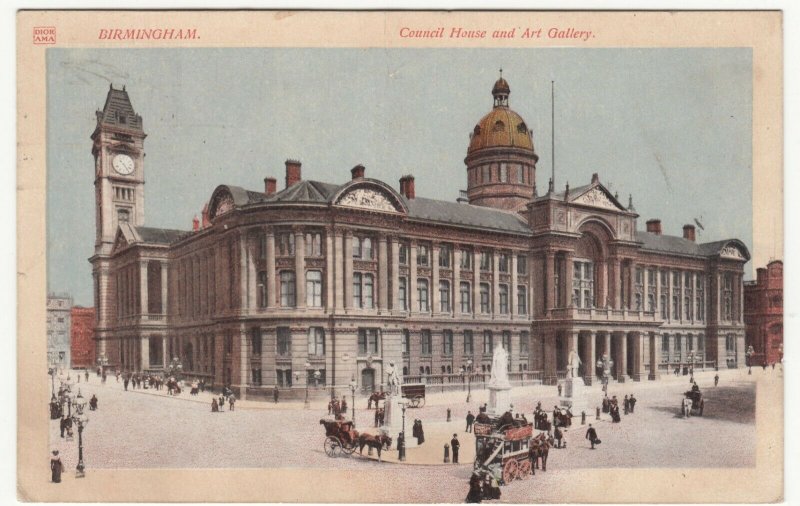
498 126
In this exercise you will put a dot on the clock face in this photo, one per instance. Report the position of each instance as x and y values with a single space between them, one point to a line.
123 164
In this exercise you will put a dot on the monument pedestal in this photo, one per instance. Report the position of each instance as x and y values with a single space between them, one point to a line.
576 396
393 421
499 399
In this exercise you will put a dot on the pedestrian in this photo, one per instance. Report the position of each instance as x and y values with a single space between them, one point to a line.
455 445
606 404
591 435
773 366
716 379
377 416
221 402
93 403
86 375
63 424
231 402
56 467
470 421
557 434
475 494
214 405
632 402
626 406
533 454
125 384
559 389
275 395
343 405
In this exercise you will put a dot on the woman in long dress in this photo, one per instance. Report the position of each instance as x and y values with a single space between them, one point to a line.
56 467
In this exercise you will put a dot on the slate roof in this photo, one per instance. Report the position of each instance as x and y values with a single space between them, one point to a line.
453 213
118 105
679 245
160 235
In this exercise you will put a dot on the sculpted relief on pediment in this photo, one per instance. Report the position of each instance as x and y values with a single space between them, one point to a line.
365 198
596 198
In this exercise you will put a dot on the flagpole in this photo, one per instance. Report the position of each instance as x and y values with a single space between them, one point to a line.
553 131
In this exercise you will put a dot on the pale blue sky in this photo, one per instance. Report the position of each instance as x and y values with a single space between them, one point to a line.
670 126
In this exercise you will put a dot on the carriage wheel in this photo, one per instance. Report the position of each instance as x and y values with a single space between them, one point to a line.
349 448
333 447
510 471
524 469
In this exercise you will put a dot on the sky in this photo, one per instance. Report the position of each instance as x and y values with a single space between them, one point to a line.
672 127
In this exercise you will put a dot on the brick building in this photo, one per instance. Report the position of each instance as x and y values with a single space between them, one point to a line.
763 314
82 337
338 279
58 328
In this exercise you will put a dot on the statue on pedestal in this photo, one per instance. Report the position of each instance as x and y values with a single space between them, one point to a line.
499 365
574 362
395 379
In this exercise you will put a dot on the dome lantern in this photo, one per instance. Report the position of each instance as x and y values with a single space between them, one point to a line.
500 91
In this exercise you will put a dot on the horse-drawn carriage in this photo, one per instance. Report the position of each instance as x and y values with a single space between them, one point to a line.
693 403
503 450
342 438
414 392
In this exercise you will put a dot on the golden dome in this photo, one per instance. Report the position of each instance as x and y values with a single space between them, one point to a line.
502 127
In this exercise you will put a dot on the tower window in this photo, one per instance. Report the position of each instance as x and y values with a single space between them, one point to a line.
498 126
123 215
521 128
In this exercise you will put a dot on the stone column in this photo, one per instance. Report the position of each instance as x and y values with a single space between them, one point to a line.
383 274
607 346
616 301
512 290
395 268
272 285
590 362
718 297
300 267
645 287
329 269
476 283
566 280
638 357
658 293
145 350
740 287
413 305
456 287
348 269
622 356
339 289
241 271
495 283
244 361
602 285
143 286
550 274
655 356
670 289
433 296
164 352
550 359
164 289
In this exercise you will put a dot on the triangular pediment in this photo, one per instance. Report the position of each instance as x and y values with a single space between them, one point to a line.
124 238
598 196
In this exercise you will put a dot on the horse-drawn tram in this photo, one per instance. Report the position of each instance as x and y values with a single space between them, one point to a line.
502 449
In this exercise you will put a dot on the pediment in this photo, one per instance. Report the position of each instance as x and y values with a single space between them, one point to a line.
371 196
598 196
732 251
123 239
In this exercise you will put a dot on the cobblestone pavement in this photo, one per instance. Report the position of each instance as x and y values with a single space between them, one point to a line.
147 429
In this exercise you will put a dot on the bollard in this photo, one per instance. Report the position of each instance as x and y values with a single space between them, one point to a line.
446 453
583 417
401 447
597 413
448 414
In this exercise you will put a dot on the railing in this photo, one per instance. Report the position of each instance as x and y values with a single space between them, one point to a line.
452 382
604 314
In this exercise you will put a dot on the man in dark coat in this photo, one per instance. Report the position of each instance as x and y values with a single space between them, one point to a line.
606 405
93 403
455 445
626 405
275 395
56 467
591 435
557 434
716 379
470 421
632 402
63 425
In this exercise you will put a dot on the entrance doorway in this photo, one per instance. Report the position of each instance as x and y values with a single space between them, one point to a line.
368 379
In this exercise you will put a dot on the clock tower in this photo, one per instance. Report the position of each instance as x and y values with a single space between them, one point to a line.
118 150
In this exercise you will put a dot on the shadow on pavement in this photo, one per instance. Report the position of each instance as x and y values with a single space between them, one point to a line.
735 404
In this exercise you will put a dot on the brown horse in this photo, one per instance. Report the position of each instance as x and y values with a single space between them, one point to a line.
371 441
374 398
541 445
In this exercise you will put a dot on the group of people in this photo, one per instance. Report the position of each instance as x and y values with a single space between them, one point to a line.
218 405
483 486
336 407
418 432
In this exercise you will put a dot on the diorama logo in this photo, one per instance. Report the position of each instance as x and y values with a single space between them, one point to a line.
44 34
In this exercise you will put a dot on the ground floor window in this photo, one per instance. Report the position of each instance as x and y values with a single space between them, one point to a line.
284 377
256 375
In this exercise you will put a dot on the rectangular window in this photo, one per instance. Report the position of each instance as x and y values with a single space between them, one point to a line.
313 244
425 341
403 254
367 341
444 296
402 294
262 246
701 299
503 261
256 375
485 300
503 299
507 341
447 342
284 341
522 265
255 342
369 291
522 299
524 342
262 289
503 172
286 243
405 341
422 255
366 249
466 259
314 289
488 344
466 297
468 343
287 289
445 252
486 261
422 295
356 247
582 284
316 341
357 296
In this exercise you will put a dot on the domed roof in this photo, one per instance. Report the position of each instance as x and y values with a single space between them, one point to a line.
502 127
501 86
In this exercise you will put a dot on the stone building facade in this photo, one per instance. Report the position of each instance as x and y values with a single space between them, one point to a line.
763 315
82 337
58 329
324 282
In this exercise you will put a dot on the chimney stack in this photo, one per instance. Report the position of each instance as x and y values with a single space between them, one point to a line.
654 226
195 224
357 172
595 178
688 232
270 185
407 187
293 175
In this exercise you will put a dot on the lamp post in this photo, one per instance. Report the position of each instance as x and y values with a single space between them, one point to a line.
469 382
401 443
749 355
306 404
353 386
691 359
605 363
81 420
